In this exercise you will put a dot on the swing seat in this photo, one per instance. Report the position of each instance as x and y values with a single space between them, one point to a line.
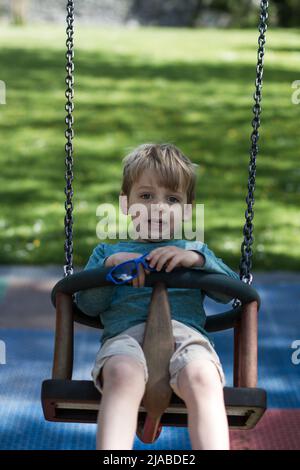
77 401
67 400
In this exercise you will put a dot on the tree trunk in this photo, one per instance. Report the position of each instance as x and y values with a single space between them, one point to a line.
19 10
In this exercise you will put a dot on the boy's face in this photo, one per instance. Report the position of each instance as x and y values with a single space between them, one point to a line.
162 207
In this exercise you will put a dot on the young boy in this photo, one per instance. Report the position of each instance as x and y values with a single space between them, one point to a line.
156 175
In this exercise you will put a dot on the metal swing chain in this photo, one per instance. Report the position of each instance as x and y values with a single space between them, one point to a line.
246 246
69 133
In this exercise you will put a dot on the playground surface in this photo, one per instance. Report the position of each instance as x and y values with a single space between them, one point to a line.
27 329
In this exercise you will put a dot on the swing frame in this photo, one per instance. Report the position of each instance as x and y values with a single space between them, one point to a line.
64 399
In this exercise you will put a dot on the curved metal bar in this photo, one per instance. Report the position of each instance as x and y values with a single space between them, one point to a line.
178 278
223 321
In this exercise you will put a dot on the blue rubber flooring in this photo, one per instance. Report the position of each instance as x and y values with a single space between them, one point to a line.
29 362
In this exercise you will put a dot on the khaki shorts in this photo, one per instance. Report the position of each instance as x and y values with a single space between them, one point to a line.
190 345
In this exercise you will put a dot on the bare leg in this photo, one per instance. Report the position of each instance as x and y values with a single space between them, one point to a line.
123 390
202 391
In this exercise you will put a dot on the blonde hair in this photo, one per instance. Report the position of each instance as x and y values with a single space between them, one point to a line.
174 169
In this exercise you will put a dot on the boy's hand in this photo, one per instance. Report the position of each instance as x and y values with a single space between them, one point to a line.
122 256
139 281
172 256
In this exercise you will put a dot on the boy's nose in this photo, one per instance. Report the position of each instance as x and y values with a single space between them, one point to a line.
158 209
162 206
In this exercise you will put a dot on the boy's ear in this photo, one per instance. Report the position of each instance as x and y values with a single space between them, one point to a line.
188 211
123 203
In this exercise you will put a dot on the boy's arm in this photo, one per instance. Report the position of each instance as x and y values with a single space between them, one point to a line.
94 301
211 264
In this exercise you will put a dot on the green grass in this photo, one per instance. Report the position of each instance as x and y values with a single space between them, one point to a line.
190 87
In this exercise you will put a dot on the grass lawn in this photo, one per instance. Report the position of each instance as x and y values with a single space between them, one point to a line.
190 87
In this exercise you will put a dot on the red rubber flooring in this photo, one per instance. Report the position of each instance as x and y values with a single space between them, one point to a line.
277 430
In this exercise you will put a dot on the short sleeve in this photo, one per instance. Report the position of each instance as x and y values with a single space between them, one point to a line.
97 258
94 301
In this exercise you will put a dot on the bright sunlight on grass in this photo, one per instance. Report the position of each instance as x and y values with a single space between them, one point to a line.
189 87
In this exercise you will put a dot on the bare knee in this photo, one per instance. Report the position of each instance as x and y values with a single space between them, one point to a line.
122 371
199 378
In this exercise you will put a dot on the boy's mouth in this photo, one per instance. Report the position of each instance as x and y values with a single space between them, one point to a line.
157 227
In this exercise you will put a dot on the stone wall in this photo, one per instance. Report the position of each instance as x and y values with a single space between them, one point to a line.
87 11
185 13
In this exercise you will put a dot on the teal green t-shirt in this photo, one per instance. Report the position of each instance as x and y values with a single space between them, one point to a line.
121 307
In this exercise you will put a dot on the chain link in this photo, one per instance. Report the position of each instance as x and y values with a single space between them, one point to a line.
69 134
246 247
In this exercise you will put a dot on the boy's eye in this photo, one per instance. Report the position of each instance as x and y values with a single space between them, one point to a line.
145 196
173 199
